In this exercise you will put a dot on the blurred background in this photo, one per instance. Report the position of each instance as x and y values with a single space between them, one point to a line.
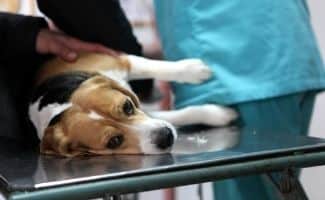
141 15
313 179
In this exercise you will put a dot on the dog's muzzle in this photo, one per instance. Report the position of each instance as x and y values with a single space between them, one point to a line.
163 138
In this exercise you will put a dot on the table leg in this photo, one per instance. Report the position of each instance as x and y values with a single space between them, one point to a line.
134 196
288 185
200 191
112 197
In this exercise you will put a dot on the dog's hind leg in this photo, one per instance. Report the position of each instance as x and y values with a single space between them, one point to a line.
208 114
184 71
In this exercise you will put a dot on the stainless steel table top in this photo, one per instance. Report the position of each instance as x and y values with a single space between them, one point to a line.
25 169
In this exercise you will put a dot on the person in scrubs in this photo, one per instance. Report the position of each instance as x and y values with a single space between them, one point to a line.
266 65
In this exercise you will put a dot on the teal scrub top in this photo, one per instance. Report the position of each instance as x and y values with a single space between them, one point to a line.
257 49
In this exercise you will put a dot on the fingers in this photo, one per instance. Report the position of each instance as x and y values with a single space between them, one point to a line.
60 49
82 46
67 47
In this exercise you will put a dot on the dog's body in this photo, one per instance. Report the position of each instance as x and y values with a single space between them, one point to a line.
87 107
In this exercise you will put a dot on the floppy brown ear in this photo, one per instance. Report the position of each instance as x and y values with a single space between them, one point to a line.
116 86
55 142
127 92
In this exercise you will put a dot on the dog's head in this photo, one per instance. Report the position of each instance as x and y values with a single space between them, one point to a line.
81 113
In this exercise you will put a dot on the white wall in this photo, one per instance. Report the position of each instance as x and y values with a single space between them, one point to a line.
318 16
313 179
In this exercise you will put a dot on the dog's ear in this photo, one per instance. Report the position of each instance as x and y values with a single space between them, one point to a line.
55 142
127 92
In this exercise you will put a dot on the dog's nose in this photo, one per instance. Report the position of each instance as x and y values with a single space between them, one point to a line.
163 138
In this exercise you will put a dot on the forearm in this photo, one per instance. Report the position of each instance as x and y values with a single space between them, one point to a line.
100 21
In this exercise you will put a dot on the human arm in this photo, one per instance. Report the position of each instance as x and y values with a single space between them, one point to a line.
93 20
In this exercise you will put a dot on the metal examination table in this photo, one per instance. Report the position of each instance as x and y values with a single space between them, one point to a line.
200 155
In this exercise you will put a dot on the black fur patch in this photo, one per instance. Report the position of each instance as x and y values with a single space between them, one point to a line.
55 119
58 89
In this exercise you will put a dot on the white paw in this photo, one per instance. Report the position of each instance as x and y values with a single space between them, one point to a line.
192 71
216 115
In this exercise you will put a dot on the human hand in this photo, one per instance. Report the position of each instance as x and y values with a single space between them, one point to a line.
66 47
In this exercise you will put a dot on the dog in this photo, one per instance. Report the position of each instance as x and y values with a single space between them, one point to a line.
88 108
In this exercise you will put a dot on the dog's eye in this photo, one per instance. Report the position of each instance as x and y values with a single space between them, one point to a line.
115 142
128 108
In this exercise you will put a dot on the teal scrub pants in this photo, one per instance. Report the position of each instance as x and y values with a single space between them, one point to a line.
288 114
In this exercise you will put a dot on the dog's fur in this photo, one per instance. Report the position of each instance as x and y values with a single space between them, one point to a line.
87 107
9 5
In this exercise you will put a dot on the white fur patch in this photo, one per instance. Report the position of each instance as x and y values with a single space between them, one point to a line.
95 116
184 71
144 130
42 118
119 76
209 114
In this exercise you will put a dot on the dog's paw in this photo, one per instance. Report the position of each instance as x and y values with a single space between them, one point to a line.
192 71
216 115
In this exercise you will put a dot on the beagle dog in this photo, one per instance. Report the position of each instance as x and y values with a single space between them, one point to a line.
87 107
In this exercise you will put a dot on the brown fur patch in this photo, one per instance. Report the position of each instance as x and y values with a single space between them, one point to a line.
86 62
9 6
78 133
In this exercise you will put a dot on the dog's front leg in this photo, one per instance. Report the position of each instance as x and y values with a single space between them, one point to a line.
208 114
184 71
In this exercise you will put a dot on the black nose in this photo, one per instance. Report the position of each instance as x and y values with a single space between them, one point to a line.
163 138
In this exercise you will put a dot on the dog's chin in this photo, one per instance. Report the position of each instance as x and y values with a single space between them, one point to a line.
152 149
